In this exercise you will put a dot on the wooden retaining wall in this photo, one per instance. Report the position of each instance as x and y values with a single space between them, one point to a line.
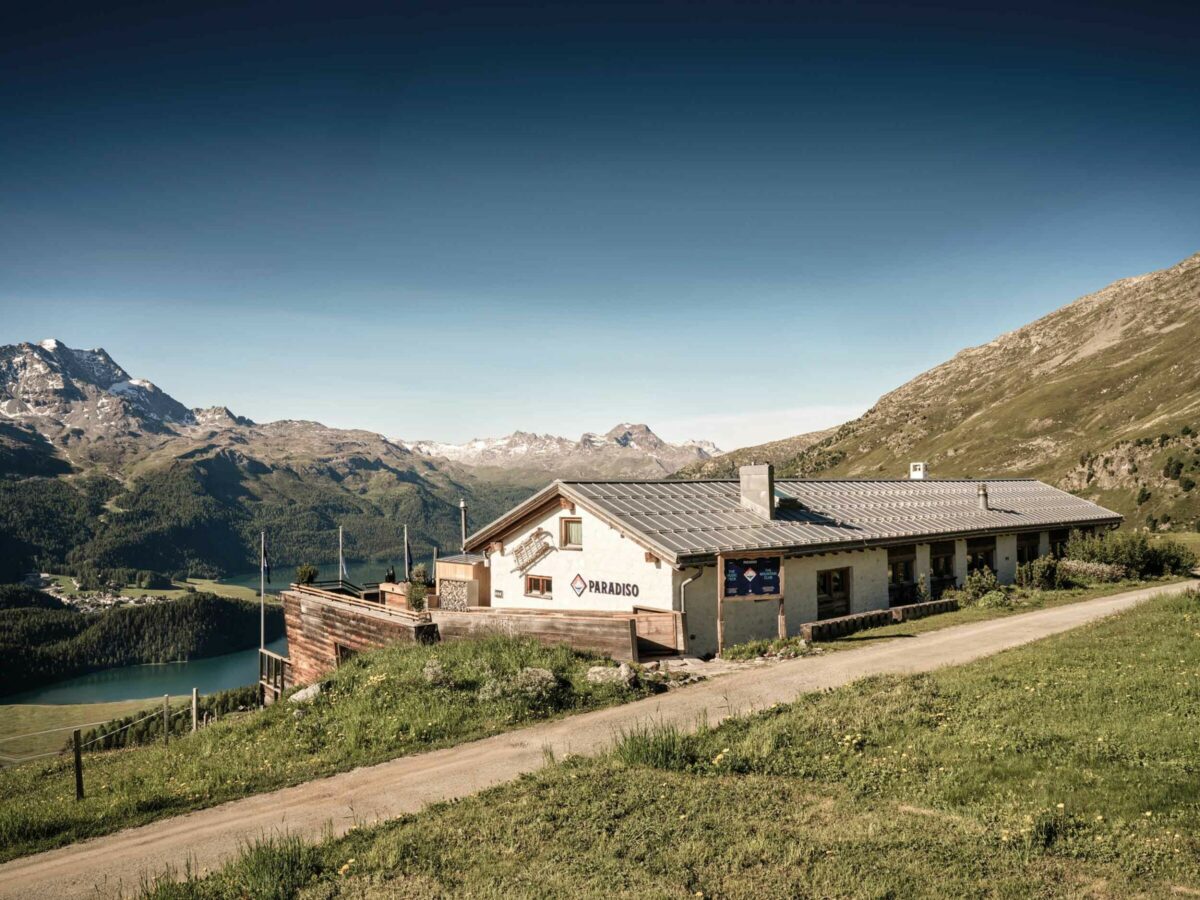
828 629
613 634
323 627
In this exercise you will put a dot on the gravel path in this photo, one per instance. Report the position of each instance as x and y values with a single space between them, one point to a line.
207 838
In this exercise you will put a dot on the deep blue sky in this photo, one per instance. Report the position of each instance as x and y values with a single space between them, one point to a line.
734 221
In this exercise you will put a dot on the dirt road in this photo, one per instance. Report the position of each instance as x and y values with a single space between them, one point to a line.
209 837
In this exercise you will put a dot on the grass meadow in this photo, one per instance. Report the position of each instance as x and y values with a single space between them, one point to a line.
377 707
1066 768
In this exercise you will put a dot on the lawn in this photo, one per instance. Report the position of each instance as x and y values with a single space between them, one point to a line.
1066 768
381 705
179 589
23 718
1023 601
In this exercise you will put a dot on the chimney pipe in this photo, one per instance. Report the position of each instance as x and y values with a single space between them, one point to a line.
757 492
981 497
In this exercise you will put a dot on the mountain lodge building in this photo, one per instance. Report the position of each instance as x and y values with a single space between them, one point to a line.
636 569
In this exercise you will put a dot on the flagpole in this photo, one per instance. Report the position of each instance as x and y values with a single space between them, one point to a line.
407 568
341 558
262 591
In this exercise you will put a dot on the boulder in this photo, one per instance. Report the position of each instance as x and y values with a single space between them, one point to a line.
622 674
305 695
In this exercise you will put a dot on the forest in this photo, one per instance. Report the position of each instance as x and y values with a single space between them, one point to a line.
42 640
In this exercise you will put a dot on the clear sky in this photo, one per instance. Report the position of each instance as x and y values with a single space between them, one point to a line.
734 221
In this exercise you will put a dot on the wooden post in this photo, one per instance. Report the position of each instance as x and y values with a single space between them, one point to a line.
720 604
195 708
166 716
78 765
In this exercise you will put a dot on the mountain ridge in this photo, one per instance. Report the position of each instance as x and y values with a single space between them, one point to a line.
1060 398
626 450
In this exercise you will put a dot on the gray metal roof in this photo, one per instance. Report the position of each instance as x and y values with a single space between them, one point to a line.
684 520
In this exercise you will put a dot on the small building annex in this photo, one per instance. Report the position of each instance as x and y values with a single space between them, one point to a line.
794 551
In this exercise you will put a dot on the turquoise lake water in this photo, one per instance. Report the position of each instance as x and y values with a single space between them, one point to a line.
214 673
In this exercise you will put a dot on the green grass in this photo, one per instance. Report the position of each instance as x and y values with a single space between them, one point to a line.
1066 768
179 589
1023 601
377 707
23 718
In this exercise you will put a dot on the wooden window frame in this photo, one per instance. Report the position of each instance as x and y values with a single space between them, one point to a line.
562 533
546 582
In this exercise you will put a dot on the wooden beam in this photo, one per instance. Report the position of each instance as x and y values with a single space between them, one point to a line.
651 558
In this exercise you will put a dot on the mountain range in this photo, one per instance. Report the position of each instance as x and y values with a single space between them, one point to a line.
100 468
626 451
1100 397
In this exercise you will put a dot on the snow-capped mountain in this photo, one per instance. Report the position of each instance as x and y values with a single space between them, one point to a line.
626 451
54 384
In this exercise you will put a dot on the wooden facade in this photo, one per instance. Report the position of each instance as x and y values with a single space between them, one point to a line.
324 628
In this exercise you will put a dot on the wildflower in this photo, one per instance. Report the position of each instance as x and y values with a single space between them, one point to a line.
1062 806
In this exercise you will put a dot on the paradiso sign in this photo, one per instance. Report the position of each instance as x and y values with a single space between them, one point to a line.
579 584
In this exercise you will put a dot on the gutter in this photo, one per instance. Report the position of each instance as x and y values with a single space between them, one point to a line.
683 602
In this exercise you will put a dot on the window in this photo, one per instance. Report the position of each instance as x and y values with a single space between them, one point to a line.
833 593
1058 541
981 554
1027 547
538 586
902 563
902 575
571 534
941 566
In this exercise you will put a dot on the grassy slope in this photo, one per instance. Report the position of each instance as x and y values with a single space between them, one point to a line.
1067 768
378 707
23 718
1050 398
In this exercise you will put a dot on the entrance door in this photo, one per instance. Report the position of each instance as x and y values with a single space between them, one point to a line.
833 593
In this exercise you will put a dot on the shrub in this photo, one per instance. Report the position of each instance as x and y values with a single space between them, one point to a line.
1187 482
980 582
1091 572
307 574
1040 574
1143 495
994 600
415 594
1133 551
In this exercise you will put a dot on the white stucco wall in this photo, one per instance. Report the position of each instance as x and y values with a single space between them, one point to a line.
606 557
960 562
1006 558
747 620
923 567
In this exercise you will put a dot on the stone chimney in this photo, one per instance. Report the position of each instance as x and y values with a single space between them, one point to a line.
918 471
758 489
981 497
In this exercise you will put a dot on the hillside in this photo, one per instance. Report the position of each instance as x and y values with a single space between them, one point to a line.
625 451
775 452
103 470
1099 397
